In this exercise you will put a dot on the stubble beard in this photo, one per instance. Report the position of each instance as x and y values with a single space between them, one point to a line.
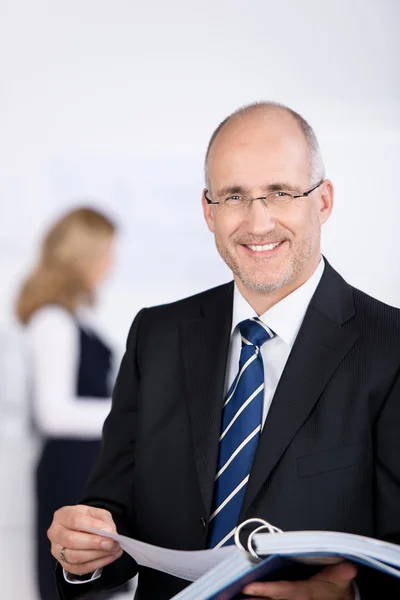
262 279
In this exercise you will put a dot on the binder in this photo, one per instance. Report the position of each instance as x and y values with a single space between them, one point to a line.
275 555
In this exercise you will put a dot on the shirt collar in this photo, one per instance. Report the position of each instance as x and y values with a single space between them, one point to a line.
285 317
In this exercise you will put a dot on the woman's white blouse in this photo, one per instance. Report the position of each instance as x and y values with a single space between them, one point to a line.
54 350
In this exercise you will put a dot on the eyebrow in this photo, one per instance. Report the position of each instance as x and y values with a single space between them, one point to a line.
271 187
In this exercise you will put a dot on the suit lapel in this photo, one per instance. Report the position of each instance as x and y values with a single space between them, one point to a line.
205 344
324 339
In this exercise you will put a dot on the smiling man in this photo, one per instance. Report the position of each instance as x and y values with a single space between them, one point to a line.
272 246
275 396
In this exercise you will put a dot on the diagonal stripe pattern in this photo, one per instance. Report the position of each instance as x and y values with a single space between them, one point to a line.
240 431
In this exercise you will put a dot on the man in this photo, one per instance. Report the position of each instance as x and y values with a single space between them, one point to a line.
277 396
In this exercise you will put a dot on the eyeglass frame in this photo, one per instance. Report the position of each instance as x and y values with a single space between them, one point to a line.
304 195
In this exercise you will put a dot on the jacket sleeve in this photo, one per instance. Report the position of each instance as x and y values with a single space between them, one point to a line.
387 468
374 584
111 483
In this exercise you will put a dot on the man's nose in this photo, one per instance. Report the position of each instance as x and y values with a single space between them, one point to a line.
260 217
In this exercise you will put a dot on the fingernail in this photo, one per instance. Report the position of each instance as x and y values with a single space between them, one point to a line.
249 590
108 529
107 545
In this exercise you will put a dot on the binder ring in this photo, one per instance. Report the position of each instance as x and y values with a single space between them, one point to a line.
264 525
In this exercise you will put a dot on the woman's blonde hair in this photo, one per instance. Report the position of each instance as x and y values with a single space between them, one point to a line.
67 253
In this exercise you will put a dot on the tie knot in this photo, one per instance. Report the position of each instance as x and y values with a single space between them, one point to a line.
255 332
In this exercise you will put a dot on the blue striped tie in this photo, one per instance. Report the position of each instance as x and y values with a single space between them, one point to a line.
240 430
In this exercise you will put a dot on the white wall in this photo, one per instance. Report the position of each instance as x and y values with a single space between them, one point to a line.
117 99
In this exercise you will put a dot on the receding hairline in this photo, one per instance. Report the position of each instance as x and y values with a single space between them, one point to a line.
317 170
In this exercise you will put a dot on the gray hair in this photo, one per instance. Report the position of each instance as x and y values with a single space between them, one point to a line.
317 169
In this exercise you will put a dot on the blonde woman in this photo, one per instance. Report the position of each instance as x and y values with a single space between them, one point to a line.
70 365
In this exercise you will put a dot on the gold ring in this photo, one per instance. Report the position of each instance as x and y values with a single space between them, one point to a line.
62 556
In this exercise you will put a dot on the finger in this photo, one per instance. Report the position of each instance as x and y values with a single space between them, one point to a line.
335 578
261 598
80 518
276 590
86 509
78 540
97 513
91 566
339 574
79 557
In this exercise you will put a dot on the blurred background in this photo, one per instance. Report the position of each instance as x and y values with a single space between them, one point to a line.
111 104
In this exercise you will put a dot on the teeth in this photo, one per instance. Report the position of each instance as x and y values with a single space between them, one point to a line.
263 248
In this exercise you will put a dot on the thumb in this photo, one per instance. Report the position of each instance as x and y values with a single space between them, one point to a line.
339 574
97 513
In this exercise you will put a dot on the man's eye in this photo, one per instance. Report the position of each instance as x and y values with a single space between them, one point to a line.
234 198
282 194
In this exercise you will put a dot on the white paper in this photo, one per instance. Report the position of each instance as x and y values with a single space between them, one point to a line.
189 565
298 542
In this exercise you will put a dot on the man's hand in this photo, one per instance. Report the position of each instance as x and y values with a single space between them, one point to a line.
85 552
331 583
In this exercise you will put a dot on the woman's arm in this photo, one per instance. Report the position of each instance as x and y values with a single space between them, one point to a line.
54 343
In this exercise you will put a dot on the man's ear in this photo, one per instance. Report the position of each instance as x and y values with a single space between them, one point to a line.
325 201
208 212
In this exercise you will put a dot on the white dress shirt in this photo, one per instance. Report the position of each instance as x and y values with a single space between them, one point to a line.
285 319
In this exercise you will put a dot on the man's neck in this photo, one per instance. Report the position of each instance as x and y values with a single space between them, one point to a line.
263 301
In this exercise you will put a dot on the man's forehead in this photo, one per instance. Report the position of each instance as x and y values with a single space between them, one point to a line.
249 139
252 159
273 123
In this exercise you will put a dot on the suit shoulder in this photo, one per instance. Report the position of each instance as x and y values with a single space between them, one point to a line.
375 312
190 307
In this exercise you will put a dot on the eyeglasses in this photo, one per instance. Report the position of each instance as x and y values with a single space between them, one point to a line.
274 199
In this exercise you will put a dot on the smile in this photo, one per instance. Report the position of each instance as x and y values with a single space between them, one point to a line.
264 247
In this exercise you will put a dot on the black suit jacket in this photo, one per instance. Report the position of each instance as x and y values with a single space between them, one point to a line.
329 452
